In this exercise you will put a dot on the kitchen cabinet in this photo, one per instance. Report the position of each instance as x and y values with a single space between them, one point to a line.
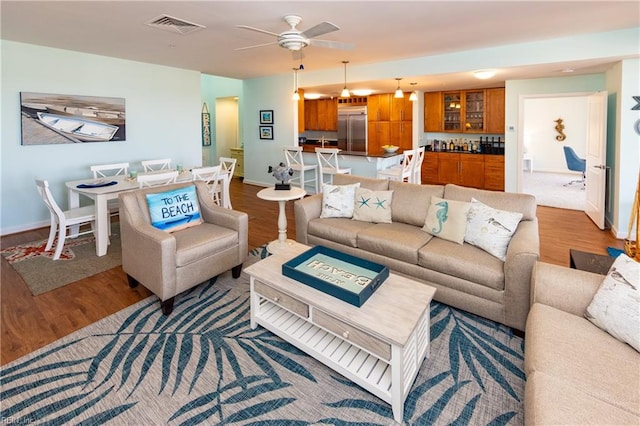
238 154
471 111
461 169
400 134
321 114
433 112
378 134
495 110
494 172
379 107
401 108
430 168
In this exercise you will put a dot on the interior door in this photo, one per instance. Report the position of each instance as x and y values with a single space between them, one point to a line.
596 171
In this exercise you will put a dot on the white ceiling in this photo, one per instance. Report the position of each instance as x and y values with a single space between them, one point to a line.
380 30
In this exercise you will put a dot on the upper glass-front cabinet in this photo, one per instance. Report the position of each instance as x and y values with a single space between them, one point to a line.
452 111
474 111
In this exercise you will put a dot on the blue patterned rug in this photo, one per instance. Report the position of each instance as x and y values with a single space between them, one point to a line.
204 365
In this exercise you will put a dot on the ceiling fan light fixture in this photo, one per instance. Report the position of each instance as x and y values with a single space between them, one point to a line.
414 94
345 92
484 74
398 94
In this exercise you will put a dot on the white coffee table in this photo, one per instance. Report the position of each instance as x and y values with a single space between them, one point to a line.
380 345
281 196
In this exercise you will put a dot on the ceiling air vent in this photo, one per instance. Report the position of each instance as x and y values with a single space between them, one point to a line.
175 25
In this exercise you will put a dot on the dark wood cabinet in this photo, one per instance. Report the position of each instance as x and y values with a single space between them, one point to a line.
465 111
321 114
472 170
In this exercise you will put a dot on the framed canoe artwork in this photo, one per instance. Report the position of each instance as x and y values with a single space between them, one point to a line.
49 119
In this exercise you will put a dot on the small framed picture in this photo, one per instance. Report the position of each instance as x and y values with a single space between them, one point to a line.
266 132
266 116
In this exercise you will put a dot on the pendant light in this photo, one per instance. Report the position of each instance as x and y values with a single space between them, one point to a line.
345 92
398 93
296 95
414 95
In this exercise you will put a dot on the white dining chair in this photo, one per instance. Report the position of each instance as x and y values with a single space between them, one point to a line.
328 164
146 180
155 165
211 176
107 171
62 220
228 165
402 172
293 157
417 166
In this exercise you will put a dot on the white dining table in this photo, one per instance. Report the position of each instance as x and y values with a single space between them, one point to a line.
102 194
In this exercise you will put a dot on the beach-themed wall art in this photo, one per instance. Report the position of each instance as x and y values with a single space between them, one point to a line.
49 119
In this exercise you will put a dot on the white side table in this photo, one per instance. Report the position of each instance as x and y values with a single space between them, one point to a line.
281 196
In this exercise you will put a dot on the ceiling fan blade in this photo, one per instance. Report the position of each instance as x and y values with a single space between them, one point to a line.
320 29
331 44
246 27
256 45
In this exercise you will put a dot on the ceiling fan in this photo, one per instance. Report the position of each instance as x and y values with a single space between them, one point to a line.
295 40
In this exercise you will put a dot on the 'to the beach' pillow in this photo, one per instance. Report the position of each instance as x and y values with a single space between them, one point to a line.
174 210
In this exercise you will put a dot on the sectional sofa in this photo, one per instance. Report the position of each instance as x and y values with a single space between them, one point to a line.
464 275
577 374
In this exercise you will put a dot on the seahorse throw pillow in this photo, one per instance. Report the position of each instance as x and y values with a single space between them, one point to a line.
491 229
615 307
338 200
447 219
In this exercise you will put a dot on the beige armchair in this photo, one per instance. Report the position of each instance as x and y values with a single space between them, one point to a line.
170 263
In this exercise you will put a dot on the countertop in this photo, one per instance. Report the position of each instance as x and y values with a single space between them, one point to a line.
311 148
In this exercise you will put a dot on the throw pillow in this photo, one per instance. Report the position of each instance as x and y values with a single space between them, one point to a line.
447 219
338 200
174 210
372 206
491 229
615 307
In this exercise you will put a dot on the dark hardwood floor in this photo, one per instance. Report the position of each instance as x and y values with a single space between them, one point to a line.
31 322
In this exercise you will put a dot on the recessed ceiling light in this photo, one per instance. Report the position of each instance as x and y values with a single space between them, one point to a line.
312 95
362 92
484 74
568 70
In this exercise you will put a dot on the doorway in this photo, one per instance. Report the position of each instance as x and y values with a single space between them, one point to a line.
544 172
226 125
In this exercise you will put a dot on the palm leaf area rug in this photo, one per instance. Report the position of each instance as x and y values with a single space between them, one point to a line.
203 364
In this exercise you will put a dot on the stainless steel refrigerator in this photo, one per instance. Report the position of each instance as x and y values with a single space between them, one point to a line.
352 129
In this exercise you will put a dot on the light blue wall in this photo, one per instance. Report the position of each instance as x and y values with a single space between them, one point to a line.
214 87
163 120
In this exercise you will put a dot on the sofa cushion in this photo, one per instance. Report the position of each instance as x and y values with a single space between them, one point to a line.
175 209
372 206
365 182
465 262
411 201
340 230
338 200
491 229
615 308
395 240
447 219
572 349
511 202
553 401
198 242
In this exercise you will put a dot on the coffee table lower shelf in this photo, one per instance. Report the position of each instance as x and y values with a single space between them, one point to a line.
386 373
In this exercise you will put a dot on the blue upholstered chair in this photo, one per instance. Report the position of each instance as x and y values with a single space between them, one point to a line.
575 163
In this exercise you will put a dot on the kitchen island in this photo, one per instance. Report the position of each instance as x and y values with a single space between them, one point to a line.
360 164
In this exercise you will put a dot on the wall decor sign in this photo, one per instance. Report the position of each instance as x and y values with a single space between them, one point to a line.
49 119
266 132
266 116
206 125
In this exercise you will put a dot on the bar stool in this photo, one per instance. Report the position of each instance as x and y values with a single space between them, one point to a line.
417 166
328 163
403 172
293 157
